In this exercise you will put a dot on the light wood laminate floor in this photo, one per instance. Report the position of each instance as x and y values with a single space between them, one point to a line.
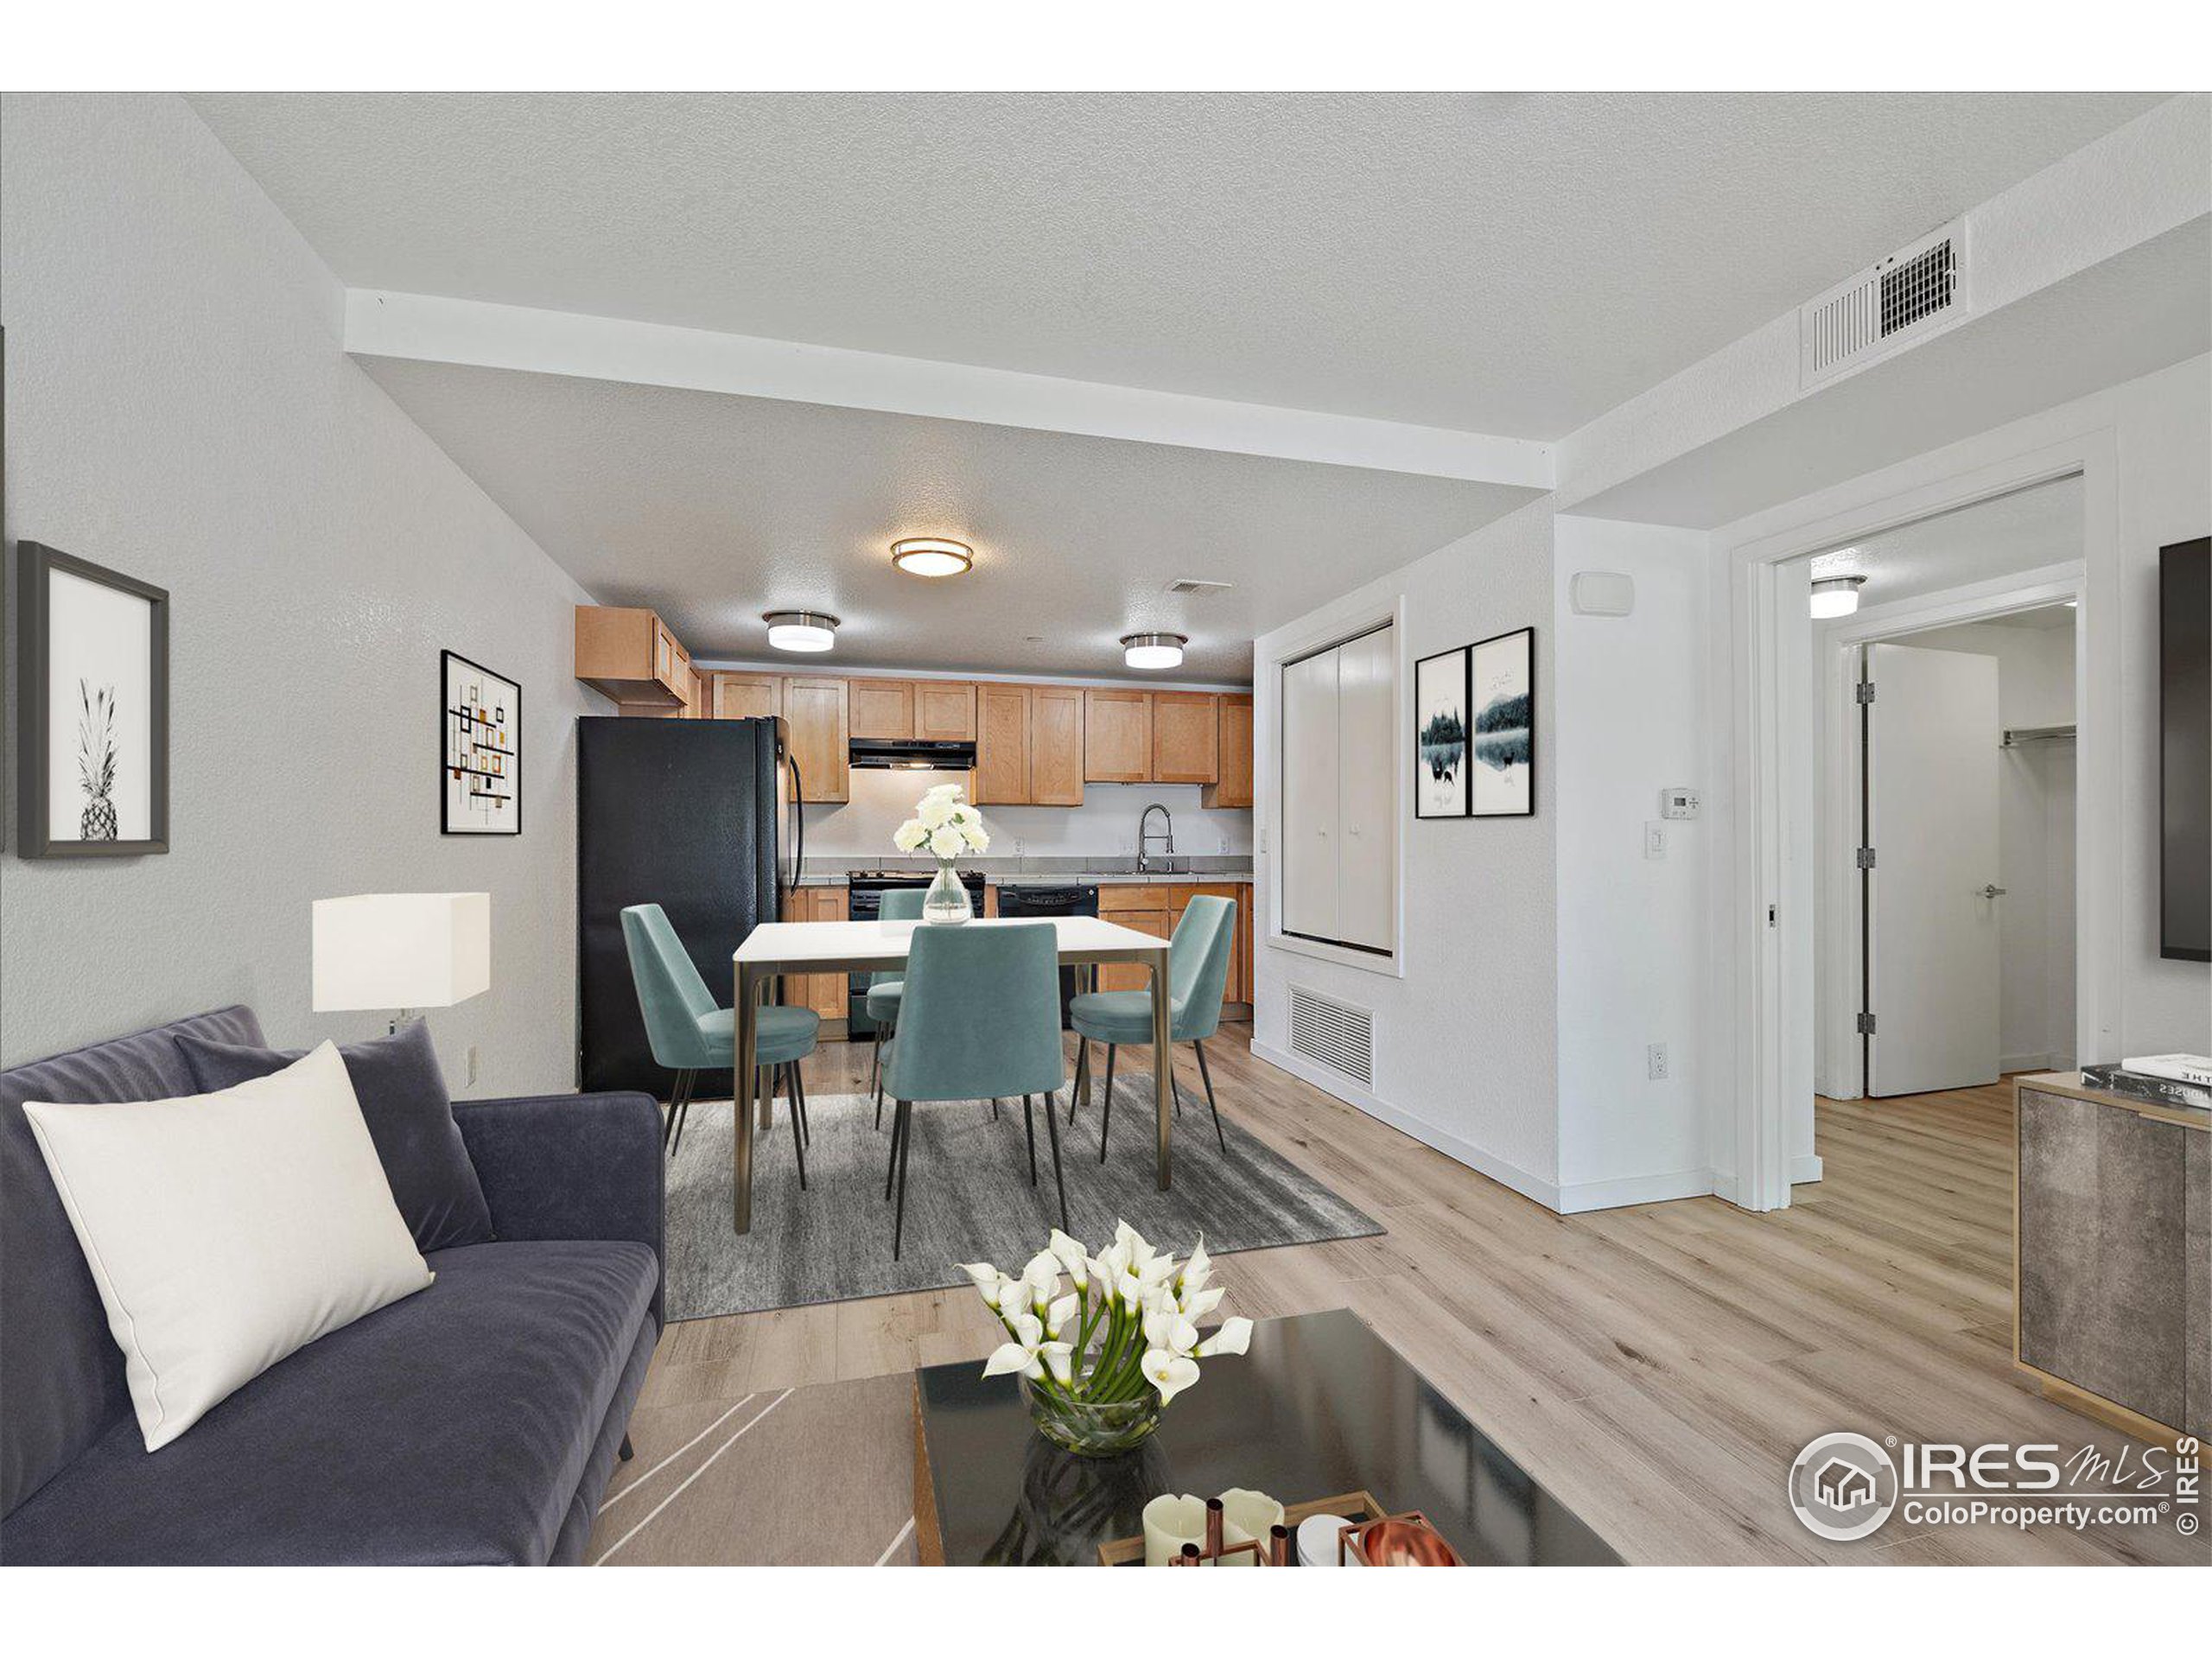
1658 1367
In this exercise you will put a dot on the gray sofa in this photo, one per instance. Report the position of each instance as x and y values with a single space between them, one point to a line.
475 1422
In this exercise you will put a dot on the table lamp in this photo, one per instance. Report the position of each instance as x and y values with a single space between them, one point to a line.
401 950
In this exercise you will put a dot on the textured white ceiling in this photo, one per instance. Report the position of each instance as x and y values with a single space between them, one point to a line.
2026 530
1511 264
712 509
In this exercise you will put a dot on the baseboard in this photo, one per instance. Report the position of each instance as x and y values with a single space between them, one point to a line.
1507 1174
1635 1189
2041 1062
1804 1169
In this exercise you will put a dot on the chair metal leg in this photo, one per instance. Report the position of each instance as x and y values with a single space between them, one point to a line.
897 1133
1082 1074
799 1136
628 1451
875 1077
1106 1106
1029 1128
1208 1075
668 1123
1059 1182
678 1112
906 1153
995 1108
798 1104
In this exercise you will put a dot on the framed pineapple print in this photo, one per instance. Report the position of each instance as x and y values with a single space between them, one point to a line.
93 704
480 779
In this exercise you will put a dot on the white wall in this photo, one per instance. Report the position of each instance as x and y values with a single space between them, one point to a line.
1105 824
1634 933
179 408
1466 1053
2034 829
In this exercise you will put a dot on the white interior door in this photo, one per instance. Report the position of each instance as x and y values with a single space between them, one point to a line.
1311 788
1367 726
1933 892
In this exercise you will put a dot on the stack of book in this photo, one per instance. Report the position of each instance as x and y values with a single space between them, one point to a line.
2170 1079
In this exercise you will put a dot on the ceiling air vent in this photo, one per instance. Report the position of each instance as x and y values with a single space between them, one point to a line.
1911 295
1331 1033
1193 585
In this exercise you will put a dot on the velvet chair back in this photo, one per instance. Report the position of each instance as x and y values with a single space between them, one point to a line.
980 1018
670 995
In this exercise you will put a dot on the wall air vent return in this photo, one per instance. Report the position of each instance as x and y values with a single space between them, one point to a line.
1330 1034
1916 291
1197 587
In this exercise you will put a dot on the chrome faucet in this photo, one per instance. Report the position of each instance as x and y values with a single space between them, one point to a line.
1145 837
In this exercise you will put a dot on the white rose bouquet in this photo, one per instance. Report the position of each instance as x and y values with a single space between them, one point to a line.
944 826
1100 1358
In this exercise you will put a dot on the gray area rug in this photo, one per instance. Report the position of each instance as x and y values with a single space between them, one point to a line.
967 1199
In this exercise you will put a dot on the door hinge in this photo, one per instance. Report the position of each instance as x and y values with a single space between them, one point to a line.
1866 1024
1865 858
1866 691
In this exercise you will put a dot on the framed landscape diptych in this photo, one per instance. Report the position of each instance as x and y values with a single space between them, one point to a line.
1441 735
94 705
1502 692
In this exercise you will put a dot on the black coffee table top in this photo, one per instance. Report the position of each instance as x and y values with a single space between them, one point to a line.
1320 1405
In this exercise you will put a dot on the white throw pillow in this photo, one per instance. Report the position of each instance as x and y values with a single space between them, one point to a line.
227 1230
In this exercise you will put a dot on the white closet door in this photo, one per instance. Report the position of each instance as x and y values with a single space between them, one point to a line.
1310 795
1367 723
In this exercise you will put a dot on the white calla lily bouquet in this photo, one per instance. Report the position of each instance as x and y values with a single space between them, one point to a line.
1120 1342
944 826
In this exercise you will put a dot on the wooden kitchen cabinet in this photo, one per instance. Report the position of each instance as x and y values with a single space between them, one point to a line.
945 711
1117 736
1185 737
1233 781
818 725
1003 717
628 653
745 696
825 993
1057 723
882 709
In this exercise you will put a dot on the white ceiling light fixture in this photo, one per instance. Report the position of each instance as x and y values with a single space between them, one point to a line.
801 630
1835 596
932 556
1154 650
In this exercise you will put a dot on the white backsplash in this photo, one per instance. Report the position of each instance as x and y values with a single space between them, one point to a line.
1105 824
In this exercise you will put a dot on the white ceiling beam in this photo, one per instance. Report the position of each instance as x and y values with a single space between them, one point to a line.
424 328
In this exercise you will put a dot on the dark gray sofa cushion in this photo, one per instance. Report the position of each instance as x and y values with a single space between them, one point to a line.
456 1426
60 1372
403 1100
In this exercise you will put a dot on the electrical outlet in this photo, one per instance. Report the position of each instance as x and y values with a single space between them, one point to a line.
1018 844
1655 838
1655 1061
475 1062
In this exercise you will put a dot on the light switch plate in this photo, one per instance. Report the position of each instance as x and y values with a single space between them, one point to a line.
1655 838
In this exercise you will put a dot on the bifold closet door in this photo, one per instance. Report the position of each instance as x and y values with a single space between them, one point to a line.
1367 801
1312 790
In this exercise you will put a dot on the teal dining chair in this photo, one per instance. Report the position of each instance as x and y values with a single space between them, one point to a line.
979 1017
1198 978
895 905
690 1032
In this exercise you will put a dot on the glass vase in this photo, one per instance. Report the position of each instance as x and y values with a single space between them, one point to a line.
1091 1428
946 904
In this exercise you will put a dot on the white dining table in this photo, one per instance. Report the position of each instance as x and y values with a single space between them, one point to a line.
774 949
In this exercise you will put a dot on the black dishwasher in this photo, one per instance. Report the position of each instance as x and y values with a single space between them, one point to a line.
1032 900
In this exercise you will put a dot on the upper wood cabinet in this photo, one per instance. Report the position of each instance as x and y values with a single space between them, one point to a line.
817 722
1056 727
882 708
1234 785
1185 737
1003 717
747 696
945 711
628 654
1117 736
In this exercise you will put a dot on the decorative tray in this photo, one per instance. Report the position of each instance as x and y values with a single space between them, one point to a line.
1355 1507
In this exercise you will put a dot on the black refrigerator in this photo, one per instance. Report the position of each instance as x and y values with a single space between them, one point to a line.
702 818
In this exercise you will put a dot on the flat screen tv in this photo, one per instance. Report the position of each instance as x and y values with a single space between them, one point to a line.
2185 750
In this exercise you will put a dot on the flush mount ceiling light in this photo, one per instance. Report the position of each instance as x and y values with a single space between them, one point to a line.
932 556
1836 596
801 630
1154 650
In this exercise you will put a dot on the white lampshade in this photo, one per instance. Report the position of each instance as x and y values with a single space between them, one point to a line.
401 949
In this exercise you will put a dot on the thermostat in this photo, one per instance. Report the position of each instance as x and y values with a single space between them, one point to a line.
1678 801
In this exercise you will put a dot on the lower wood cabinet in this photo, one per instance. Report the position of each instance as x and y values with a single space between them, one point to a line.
2114 1246
825 993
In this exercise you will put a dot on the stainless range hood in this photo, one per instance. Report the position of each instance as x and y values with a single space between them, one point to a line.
911 754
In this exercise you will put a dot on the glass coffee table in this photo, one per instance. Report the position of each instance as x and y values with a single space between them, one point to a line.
1320 1405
